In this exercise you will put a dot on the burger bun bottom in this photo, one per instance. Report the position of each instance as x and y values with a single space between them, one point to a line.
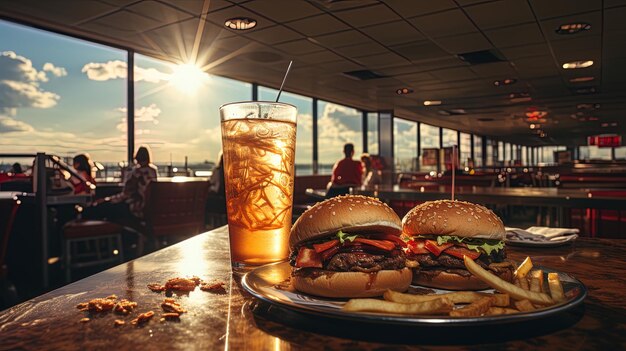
441 279
353 284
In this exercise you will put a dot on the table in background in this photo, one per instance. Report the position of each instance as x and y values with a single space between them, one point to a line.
217 321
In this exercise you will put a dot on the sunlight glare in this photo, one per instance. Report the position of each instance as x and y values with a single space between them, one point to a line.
188 78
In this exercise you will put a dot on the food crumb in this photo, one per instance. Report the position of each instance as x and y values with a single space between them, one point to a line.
125 306
142 318
84 320
170 305
156 287
118 322
217 287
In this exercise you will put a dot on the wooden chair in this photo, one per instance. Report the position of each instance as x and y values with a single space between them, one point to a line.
175 209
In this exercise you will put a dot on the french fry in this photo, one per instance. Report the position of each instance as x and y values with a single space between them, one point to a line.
535 285
494 311
538 275
523 268
475 309
504 286
524 305
523 283
556 288
438 306
454 297
501 300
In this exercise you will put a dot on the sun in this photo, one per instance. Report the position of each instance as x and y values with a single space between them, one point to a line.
188 78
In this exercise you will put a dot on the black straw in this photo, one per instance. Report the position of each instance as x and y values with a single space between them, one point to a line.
284 79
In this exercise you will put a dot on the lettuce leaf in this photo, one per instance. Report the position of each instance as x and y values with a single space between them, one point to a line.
486 246
343 237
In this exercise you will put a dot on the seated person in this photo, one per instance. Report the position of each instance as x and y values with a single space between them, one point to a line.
83 165
346 173
129 204
371 175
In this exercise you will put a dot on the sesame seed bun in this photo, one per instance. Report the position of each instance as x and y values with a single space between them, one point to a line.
350 214
353 284
458 218
451 281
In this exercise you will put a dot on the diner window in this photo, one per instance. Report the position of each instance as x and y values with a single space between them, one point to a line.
429 139
372 133
595 153
60 97
620 153
465 149
507 154
304 133
337 125
405 145
177 114
449 137
500 151
491 150
478 151
524 156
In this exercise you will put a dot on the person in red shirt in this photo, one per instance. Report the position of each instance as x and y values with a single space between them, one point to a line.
346 173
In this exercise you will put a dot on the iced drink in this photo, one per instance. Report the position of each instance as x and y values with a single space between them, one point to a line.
258 140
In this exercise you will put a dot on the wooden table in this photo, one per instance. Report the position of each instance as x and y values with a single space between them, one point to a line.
234 320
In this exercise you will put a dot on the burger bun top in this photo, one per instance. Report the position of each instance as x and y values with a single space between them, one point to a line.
350 213
458 218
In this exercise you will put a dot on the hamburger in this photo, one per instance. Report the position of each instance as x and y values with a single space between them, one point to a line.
348 246
440 233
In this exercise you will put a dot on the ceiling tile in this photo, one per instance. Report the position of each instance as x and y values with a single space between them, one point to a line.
346 38
72 11
124 21
367 16
195 7
581 48
423 50
364 49
500 70
380 60
613 44
539 49
158 11
415 77
274 35
318 25
393 33
500 13
454 74
443 23
321 57
558 8
536 67
515 36
464 43
283 10
399 70
299 47
334 6
413 8
614 19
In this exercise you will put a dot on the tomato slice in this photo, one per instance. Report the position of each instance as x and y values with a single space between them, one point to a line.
319 248
459 252
326 255
381 244
393 238
436 249
308 258
417 247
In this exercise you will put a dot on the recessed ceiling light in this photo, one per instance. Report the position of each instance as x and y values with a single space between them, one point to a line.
578 64
240 23
432 102
535 126
588 106
543 134
507 81
581 79
404 91
572 28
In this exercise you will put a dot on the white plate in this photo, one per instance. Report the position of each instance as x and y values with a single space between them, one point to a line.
262 282
541 243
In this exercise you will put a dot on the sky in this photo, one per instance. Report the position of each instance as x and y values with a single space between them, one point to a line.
67 96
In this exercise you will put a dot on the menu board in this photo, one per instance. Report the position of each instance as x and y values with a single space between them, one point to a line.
604 140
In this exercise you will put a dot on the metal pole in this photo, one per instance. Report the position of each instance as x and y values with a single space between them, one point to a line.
130 102
41 199
315 151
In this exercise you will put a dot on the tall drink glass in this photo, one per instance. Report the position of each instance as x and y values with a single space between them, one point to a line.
259 142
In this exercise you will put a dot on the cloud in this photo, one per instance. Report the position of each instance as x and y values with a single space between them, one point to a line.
8 124
144 114
19 83
117 69
18 68
25 94
338 125
56 71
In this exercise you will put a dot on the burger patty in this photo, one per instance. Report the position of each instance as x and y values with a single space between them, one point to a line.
448 261
363 262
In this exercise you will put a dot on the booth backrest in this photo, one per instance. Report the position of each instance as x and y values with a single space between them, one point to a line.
8 211
176 208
